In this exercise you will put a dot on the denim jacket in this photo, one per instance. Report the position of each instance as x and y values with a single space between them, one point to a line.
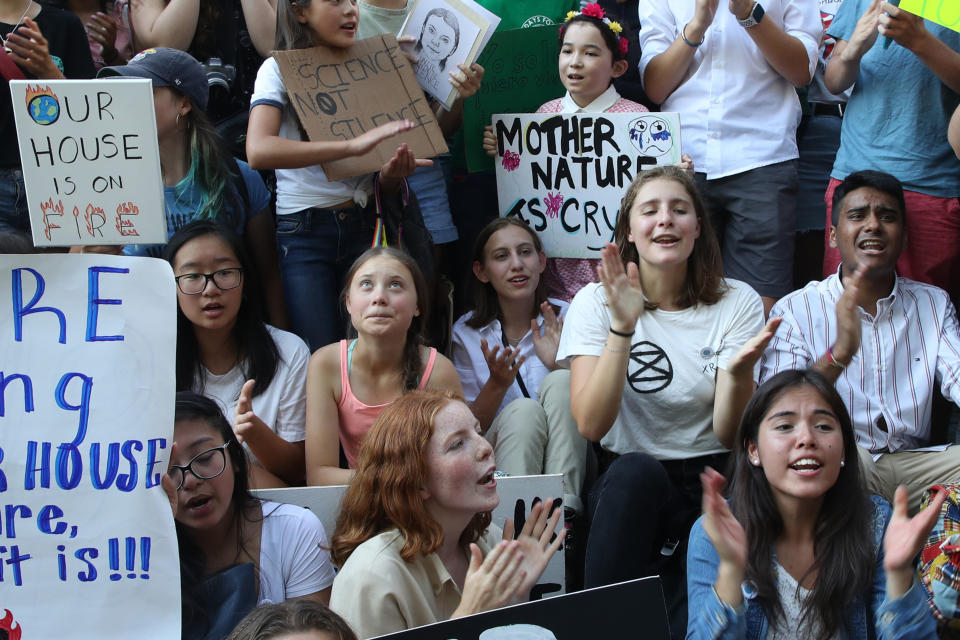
870 616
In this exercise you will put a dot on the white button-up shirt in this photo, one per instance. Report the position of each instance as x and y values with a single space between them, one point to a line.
736 112
911 344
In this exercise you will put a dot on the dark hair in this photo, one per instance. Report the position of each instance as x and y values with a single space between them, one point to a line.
16 242
611 39
269 621
411 348
256 350
387 485
291 33
486 303
704 281
844 556
878 180
451 19
194 406
213 171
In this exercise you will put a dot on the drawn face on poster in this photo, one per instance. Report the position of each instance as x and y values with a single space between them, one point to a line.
443 41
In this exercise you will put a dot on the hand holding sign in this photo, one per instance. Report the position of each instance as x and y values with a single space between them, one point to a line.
903 27
467 80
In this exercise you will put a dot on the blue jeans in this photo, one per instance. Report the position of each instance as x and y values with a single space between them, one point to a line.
13 201
316 249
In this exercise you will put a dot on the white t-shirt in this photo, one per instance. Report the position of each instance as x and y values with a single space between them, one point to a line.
283 406
667 405
293 557
299 189
472 366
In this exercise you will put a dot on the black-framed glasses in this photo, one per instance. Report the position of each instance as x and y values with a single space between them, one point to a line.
206 465
192 284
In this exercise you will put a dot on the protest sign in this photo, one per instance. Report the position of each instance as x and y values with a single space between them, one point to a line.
517 496
339 94
86 421
90 161
633 609
566 174
520 74
946 13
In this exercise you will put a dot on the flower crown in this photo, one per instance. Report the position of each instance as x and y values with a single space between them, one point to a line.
594 10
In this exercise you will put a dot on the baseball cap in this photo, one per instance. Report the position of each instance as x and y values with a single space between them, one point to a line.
167 68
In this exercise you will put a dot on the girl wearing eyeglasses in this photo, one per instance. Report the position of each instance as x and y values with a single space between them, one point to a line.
225 351
222 529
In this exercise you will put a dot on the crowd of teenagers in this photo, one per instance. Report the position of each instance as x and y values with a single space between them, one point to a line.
747 392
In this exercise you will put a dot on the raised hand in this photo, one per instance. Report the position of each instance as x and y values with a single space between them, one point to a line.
741 8
365 142
703 14
723 529
245 421
865 32
624 293
546 345
402 164
535 543
905 538
102 29
742 363
903 27
29 49
848 318
491 582
503 364
467 80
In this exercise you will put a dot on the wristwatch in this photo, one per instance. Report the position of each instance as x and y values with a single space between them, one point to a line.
752 20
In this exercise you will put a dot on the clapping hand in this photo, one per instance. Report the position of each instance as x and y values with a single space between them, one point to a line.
742 363
403 163
848 318
102 29
503 364
29 49
905 538
546 345
622 286
535 543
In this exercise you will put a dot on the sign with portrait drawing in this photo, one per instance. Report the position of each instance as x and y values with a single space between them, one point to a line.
565 174
90 160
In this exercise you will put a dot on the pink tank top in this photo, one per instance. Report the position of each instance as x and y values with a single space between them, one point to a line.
356 418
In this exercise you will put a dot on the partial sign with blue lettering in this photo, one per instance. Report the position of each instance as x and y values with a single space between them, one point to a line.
86 421
565 174
90 161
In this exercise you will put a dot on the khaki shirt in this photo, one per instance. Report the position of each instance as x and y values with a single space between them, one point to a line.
377 592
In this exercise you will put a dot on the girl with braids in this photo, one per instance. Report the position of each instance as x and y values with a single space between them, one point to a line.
350 382
225 351
201 180
813 555
223 529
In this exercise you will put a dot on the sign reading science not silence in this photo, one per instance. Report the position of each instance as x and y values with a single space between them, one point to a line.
565 174
340 94
90 159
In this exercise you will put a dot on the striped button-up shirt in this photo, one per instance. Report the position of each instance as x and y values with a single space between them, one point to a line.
911 344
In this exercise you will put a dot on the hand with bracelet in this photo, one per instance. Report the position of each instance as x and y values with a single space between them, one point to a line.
694 32
624 293
847 342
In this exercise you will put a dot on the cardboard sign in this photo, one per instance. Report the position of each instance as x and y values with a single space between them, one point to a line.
339 94
90 161
87 546
946 13
566 174
633 609
517 495
520 74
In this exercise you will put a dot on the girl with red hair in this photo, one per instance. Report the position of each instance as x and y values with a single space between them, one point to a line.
413 540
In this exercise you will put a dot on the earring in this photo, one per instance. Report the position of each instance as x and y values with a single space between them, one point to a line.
755 462
176 122
842 462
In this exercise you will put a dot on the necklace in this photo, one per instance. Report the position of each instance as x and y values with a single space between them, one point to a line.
3 39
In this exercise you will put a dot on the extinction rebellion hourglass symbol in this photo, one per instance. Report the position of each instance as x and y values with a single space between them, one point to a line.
650 369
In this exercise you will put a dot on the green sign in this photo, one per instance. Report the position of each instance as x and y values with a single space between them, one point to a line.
944 12
520 75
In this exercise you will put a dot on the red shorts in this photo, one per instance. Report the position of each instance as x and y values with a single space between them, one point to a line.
932 253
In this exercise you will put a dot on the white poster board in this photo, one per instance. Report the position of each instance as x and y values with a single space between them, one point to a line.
87 544
566 174
517 494
90 161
